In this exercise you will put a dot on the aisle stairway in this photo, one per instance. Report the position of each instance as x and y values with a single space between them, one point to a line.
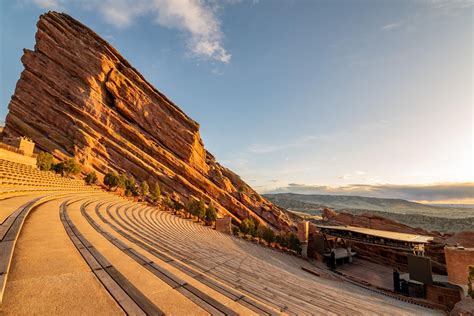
64 245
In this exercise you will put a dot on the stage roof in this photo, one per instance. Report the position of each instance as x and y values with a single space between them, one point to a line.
382 233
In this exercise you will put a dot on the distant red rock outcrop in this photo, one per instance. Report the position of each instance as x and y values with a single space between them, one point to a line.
77 96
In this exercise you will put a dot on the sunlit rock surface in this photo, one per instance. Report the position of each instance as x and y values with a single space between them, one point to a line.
79 97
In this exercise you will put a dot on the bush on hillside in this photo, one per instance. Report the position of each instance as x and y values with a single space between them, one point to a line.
266 234
59 168
111 180
72 167
197 208
294 243
281 240
235 230
91 178
144 189
177 206
247 226
156 193
122 181
290 241
44 161
131 187
210 215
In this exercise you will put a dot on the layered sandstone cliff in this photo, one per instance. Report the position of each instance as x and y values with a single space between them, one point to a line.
77 96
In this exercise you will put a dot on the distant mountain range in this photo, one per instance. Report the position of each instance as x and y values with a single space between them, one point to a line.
441 218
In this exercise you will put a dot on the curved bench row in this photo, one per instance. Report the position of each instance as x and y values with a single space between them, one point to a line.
244 267
130 299
203 300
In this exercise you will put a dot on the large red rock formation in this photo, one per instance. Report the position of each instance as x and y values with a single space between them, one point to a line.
79 97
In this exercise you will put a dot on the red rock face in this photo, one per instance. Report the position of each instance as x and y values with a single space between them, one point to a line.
79 97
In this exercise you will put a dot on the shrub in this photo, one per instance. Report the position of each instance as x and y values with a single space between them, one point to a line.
197 208
44 161
266 234
169 202
247 226
111 180
211 214
122 181
289 241
280 239
72 167
59 168
156 193
178 206
294 243
201 210
235 230
91 178
144 189
131 186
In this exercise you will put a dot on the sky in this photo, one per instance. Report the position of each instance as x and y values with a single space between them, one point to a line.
361 97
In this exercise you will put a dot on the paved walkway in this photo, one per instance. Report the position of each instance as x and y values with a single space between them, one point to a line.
48 276
160 293
11 204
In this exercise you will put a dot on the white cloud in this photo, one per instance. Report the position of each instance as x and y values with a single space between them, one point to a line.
359 175
48 4
197 19
394 25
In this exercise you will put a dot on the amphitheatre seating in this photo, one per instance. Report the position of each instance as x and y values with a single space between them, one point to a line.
16 174
118 242
129 298
13 176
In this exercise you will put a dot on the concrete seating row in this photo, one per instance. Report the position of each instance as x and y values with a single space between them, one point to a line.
262 274
130 299
16 175
203 300
9 231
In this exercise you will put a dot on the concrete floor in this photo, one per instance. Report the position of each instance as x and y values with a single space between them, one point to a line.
48 276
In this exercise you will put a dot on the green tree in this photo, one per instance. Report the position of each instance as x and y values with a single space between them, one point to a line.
235 230
247 226
91 178
111 180
59 168
294 243
156 193
211 214
178 206
44 161
72 167
169 202
282 240
122 181
189 209
144 189
197 208
131 186
266 234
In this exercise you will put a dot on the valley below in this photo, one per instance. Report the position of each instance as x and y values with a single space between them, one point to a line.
443 219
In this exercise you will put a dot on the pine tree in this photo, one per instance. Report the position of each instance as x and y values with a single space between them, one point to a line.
144 189
156 193
211 214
